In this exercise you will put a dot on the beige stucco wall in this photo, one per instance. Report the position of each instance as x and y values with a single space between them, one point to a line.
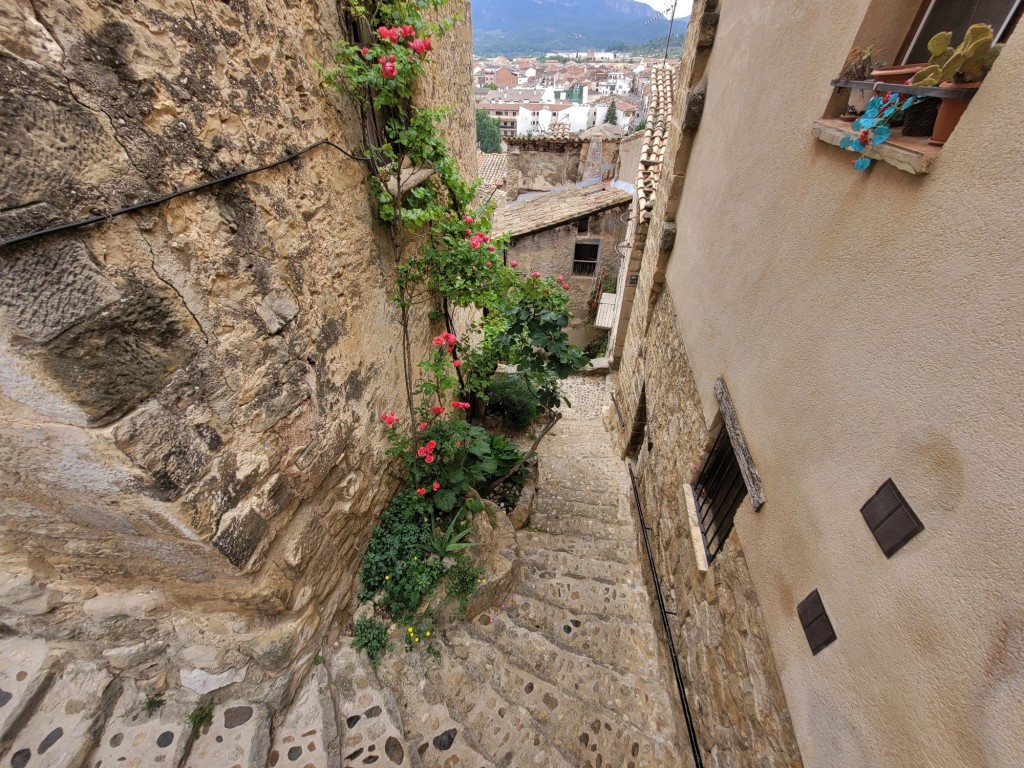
869 326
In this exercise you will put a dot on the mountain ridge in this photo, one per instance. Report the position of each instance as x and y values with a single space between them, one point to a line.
516 27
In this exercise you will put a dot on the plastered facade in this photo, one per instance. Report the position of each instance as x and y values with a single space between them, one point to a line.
189 395
855 352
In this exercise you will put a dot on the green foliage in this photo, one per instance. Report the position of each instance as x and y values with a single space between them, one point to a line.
488 132
612 115
318 660
372 636
598 347
967 63
153 703
200 716
514 399
450 541
463 579
639 127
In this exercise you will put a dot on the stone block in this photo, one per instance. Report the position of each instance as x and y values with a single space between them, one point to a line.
308 735
49 285
117 358
239 735
20 593
26 671
63 728
240 535
137 605
202 682
163 444
277 309
135 738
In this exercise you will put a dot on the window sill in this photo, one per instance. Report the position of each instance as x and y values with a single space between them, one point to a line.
912 154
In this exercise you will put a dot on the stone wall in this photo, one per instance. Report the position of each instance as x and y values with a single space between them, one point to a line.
189 394
541 166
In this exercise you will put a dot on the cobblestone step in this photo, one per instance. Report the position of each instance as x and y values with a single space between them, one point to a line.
237 735
437 738
308 735
26 672
607 640
585 527
612 550
583 729
505 732
137 738
545 563
369 716
632 697
586 596
64 727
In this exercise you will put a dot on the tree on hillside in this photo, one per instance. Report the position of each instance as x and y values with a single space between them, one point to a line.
490 86
612 115
488 132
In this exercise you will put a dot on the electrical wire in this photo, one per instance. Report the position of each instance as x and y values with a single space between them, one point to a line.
170 196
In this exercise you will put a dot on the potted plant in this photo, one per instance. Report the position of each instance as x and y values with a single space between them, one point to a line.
963 68
858 66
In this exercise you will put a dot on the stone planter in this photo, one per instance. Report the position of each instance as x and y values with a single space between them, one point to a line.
520 516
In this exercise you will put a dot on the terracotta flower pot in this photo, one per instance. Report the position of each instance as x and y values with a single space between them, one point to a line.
896 75
950 113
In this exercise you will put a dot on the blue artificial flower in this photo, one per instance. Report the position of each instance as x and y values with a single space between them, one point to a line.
869 122
870 112
908 102
855 125
862 163
846 142
889 112
881 133
856 146
874 103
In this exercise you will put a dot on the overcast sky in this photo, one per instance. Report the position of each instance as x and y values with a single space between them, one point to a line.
682 9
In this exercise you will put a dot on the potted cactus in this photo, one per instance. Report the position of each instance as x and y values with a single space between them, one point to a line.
962 67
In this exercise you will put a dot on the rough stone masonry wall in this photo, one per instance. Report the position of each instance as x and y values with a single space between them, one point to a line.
738 704
189 394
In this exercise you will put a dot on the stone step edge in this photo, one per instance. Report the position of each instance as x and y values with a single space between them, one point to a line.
609 714
475 675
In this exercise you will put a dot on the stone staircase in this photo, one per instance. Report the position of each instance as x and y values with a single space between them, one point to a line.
565 673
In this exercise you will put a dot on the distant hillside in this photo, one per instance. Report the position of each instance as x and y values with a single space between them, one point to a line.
519 27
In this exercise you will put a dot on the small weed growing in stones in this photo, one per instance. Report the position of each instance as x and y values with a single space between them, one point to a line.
433 652
463 578
202 715
318 660
153 703
372 637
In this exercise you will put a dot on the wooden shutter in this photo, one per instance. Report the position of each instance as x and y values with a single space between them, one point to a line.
890 518
817 626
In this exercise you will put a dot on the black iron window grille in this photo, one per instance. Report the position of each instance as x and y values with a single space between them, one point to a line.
718 492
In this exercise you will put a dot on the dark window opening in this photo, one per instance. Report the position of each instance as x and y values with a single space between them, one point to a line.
718 492
956 16
584 259
583 225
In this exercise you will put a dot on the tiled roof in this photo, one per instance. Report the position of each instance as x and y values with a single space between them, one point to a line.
557 207
493 167
652 151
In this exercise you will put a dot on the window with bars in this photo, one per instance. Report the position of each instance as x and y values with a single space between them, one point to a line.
717 493
584 259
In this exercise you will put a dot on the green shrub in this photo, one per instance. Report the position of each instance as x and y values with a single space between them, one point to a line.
462 580
512 397
372 637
